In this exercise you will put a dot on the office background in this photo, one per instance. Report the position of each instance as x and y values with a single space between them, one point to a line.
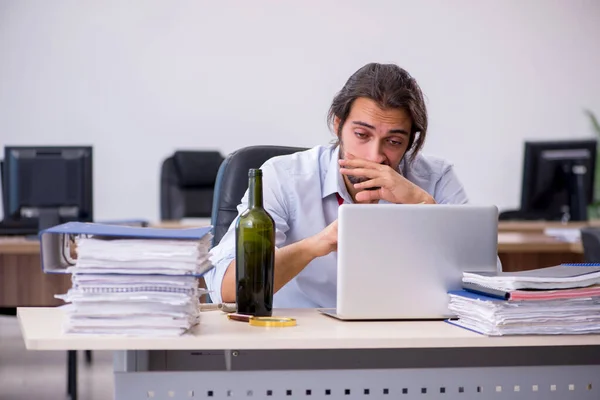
140 79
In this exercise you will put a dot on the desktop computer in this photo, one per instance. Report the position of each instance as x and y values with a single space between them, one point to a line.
558 181
43 186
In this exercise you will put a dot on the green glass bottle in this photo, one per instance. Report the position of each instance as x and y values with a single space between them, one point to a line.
255 253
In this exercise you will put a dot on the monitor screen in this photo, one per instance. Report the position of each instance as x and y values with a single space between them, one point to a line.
558 179
53 181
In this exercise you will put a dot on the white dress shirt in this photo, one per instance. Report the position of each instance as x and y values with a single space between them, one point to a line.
299 192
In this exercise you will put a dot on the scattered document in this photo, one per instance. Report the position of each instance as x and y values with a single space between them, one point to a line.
564 234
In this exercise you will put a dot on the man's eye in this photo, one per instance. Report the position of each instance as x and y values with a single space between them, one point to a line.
360 135
395 143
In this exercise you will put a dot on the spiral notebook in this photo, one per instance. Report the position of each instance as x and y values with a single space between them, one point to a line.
101 284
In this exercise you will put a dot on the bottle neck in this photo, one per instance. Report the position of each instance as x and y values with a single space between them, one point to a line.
255 198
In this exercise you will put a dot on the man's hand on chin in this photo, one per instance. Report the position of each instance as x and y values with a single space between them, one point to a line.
391 186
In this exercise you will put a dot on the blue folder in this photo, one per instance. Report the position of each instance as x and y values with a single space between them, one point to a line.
474 296
53 241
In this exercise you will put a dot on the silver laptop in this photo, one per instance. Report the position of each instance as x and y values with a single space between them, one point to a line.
399 261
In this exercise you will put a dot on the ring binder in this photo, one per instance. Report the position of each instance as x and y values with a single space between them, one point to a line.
58 251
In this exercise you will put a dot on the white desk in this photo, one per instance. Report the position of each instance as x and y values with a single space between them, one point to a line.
326 358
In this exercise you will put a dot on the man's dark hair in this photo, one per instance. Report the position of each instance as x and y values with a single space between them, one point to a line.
390 87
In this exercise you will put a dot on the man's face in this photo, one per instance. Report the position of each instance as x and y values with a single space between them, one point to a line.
374 134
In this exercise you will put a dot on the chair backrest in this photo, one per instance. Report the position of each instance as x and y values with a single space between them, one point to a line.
590 239
187 182
232 183
3 185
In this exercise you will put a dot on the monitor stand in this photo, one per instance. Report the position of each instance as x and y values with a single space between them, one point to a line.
47 218
578 198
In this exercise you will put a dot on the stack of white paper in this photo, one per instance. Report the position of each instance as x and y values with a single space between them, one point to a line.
495 317
136 286
142 256
557 277
564 234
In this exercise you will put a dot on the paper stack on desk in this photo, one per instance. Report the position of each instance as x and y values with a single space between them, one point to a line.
136 286
564 234
141 256
565 276
557 300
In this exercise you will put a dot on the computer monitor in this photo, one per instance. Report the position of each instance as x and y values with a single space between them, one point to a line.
558 180
50 185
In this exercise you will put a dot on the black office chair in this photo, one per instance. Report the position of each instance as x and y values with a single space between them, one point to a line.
232 183
590 239
187 181
4 191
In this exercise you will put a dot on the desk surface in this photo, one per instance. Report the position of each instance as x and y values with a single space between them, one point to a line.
533 242
539 226
17 245
42 330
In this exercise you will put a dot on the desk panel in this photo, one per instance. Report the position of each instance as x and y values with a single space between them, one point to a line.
540 382
22 282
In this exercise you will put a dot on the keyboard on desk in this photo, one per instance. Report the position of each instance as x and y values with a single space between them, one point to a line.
10 227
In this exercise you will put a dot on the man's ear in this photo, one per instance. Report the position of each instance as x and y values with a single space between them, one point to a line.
336 126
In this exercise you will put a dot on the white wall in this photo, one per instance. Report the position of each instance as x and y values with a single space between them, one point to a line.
139 79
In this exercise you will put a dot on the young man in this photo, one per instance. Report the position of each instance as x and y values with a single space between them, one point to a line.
380 120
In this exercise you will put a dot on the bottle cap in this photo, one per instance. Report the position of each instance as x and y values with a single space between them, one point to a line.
254 172
277 322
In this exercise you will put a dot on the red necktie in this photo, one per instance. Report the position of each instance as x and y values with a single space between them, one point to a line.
339 199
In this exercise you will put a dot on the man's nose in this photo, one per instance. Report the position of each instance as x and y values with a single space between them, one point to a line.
376 154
